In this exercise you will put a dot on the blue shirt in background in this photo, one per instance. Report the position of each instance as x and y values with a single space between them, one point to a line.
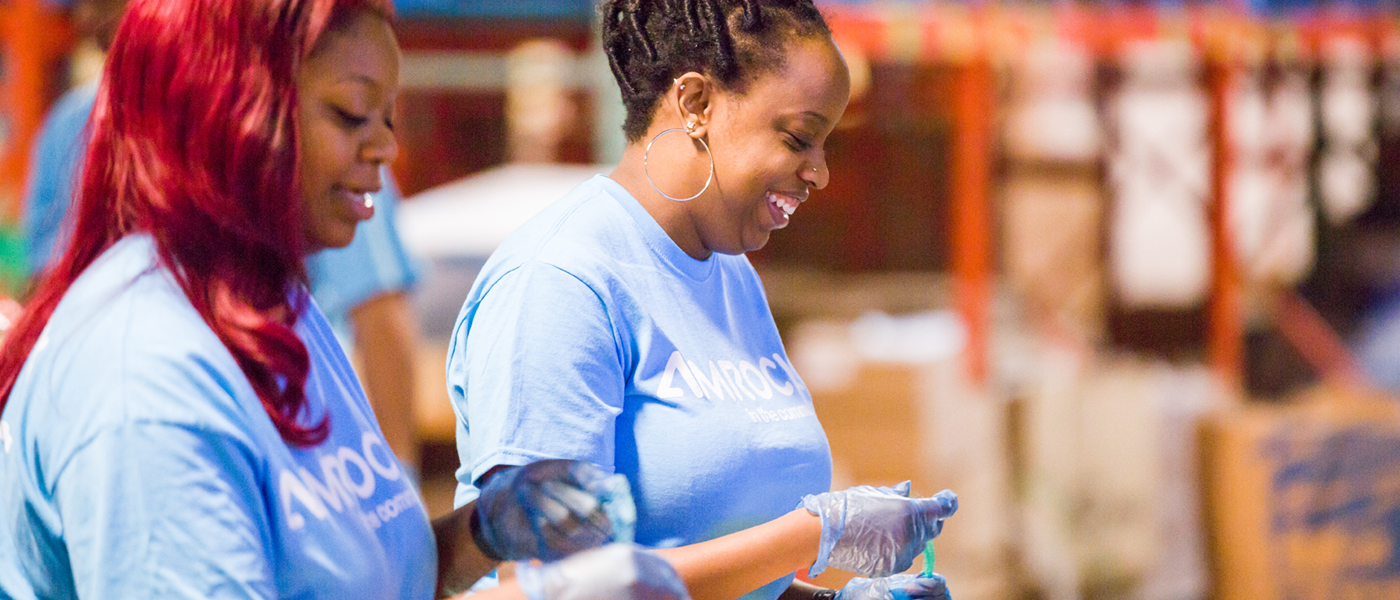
138 462
591 335
58 152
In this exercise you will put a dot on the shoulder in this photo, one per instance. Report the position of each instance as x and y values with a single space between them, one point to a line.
586 234
77 101
69 115
125 345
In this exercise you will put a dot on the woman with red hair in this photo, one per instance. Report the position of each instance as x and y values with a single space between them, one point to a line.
177 417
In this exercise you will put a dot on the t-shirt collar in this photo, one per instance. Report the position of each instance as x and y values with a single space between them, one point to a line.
656 237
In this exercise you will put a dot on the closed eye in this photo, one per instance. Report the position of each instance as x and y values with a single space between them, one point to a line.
348 118
796 142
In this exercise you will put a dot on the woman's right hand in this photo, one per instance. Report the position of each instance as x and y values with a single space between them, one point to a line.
876 531
613 572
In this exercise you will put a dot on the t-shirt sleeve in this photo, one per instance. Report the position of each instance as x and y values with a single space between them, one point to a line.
536 373
158 510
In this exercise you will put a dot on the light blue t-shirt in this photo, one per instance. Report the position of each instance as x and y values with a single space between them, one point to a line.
591 335
138 462
53 170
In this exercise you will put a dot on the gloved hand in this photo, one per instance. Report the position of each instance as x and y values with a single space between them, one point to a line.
896 587
876 531
613 572
553 508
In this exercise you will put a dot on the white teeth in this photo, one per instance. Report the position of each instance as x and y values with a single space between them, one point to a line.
784 203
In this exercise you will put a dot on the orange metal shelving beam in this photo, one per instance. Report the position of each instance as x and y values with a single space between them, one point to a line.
33 37
1226 305
974 110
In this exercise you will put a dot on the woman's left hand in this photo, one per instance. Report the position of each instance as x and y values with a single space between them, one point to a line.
896 587
876 531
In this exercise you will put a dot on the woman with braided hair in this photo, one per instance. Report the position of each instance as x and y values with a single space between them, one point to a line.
177 419
624 326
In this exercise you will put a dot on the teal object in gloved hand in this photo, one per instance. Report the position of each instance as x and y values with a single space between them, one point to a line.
876 531
928 558
896 587
551 509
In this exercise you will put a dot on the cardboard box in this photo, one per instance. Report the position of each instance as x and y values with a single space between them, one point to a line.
1304 499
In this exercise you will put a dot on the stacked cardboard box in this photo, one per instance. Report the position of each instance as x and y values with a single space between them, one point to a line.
1304 498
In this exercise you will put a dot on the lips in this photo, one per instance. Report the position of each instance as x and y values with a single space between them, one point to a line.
354 199
781 207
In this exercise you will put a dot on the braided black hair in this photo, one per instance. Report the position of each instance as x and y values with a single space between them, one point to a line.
651 42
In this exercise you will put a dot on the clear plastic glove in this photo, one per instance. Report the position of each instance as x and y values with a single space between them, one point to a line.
553 508
613 572
876 531
896 587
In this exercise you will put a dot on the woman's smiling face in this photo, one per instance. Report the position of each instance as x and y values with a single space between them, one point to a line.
768 145
346 91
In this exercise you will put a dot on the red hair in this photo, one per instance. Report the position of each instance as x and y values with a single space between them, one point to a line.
193 140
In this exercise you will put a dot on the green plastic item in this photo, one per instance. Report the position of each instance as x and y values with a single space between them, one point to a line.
928 559
13 267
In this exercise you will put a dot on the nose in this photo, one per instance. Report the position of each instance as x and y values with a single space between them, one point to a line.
816 175
381 148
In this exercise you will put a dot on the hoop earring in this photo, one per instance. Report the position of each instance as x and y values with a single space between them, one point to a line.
646 169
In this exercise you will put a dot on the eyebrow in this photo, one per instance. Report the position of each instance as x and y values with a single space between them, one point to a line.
820 118
365 79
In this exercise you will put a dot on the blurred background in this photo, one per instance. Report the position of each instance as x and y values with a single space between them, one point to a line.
1126 276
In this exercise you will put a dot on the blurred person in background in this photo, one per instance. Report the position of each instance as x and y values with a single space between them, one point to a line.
623 325
362 288
176 418
60 144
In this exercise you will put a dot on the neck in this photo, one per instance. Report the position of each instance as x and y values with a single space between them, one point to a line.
676 218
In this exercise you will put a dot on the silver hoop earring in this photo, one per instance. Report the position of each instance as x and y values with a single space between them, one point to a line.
646 169
369 200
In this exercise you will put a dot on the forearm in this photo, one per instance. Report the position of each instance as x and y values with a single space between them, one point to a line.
460 562
731 566
386 336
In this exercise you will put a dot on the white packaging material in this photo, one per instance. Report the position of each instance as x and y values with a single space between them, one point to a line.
1271 141
1054 128
1248 116
1290 123
1160 247
1052 115
1347 184
1346 171
1159 243
1348 109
